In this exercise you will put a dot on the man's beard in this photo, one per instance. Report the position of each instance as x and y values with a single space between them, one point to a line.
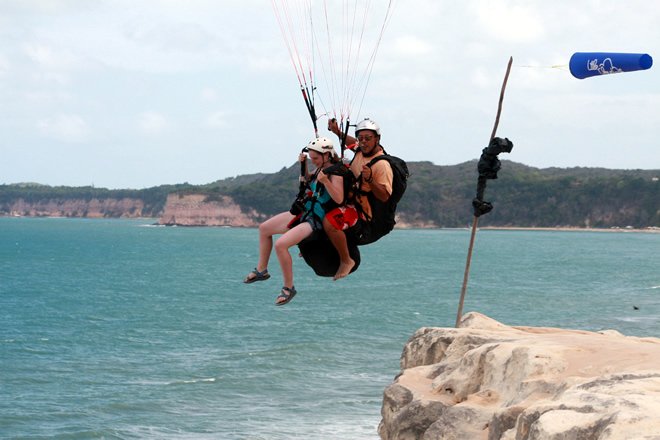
374 150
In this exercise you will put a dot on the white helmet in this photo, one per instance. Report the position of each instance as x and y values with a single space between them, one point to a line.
367 124
321 145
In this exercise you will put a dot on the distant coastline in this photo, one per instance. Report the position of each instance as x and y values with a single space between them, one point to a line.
436 197
650 229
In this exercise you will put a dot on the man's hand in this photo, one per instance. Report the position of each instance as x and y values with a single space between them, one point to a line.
333 126
367 174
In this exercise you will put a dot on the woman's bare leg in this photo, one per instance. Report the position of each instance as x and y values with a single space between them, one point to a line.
272 226
290 238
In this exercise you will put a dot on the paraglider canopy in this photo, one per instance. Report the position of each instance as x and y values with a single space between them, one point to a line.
333 45
588 64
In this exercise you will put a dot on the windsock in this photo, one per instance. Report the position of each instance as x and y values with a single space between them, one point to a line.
587 64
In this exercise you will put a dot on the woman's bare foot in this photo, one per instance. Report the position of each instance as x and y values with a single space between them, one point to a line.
344 269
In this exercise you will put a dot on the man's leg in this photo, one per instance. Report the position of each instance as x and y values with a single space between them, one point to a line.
339 241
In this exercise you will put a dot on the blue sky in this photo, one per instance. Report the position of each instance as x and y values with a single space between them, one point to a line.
133 94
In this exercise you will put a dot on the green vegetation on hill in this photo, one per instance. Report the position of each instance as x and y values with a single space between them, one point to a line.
527 196
522 196
580 196
266 193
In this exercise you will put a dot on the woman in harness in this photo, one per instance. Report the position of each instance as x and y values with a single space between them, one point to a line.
322 189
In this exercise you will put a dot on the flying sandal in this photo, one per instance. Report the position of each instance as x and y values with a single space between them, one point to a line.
258 276
287 294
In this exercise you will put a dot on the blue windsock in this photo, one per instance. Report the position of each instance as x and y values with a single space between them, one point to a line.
587 64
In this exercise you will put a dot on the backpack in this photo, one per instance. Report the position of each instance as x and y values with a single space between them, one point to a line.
383 213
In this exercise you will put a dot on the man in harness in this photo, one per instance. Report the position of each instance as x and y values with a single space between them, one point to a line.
355 221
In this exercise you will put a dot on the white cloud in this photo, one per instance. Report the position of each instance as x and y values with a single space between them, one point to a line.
412 45
64 127
172 36
208 94
47 95
48 57
152 123
261 61
4 65
481 78
509 21
216 120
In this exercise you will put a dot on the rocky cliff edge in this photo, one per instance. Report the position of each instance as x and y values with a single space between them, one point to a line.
489 381
200 210
61 207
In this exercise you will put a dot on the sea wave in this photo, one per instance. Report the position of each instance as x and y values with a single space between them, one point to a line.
189 381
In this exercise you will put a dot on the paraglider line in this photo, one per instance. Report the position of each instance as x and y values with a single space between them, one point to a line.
340 29
310 109
343 139
372 60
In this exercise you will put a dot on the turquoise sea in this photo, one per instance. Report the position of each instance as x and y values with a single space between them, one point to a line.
116 329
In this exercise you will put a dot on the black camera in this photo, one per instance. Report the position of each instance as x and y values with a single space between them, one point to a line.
298 207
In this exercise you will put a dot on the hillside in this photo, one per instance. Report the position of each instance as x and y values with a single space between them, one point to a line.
437 195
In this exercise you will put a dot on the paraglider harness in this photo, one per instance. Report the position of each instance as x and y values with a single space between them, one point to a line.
317 250
337 169
306 195
382 219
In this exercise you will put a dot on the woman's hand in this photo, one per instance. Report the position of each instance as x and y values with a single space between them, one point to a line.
323 178
302 157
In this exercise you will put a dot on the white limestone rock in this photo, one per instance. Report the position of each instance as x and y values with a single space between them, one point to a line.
488 381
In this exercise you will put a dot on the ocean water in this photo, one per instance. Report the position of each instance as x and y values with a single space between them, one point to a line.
115 329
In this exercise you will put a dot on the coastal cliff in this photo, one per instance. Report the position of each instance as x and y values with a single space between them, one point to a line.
67 207
201 210
489 381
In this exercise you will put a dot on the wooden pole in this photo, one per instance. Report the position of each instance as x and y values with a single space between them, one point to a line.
475 220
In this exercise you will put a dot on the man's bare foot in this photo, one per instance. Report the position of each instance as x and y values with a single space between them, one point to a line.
344 269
